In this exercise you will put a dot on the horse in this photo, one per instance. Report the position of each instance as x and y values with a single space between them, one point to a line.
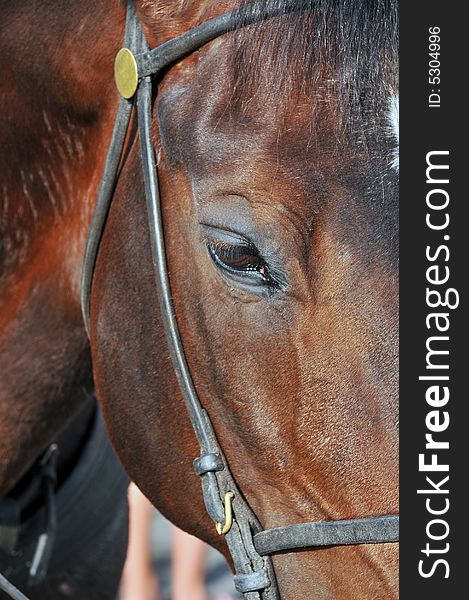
276 146
275 143
71 542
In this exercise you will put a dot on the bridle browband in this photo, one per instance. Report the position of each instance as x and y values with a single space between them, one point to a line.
250 546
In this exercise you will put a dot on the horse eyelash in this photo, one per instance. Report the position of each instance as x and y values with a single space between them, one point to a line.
232 249
268 277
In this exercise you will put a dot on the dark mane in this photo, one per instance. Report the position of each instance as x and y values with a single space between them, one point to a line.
344 49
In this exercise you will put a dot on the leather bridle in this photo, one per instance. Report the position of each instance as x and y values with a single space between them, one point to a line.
137 68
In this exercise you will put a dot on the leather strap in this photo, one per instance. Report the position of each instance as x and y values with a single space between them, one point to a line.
154 61
108 179
251 582
372 530
208 463
9 589
215 483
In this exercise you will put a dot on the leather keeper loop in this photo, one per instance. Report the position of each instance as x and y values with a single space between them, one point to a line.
208 463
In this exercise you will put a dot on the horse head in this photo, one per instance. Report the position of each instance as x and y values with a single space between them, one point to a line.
276 147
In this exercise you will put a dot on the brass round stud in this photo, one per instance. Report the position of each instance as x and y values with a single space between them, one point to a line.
126 73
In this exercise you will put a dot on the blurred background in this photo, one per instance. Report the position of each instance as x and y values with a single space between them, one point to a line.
218 576
164 563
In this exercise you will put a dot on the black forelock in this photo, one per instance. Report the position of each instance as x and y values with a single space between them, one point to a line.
347 49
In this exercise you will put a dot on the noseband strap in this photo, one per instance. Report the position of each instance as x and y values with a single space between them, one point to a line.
372 530
249 545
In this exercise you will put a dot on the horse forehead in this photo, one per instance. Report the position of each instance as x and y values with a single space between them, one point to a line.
295 147
293 189
202 112
201 132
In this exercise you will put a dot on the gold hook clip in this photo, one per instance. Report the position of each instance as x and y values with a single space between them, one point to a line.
221 530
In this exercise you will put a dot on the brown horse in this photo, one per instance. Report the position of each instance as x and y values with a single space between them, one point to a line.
276 150
277 161
55 123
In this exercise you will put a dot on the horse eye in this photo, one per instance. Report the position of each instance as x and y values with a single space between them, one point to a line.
240 259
